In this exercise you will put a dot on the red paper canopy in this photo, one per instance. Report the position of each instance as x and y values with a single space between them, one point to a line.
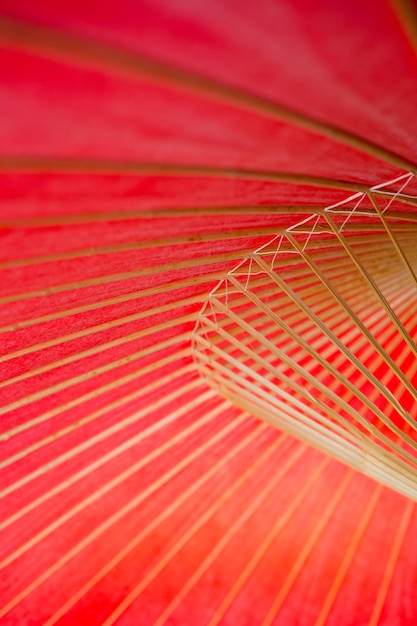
146 150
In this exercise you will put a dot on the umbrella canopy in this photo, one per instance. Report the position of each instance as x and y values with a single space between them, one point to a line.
148 151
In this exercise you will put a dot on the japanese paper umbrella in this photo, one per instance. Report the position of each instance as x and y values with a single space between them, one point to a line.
208 312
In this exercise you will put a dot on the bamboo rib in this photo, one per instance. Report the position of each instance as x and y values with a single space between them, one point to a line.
356 261
207 278
323 437
57 434
231 390
160 269
393 557
158 519
110 278
171 242
73 219
224 431
56 387
347 559
329 313
118 480
108 432
143 244
358 416
179 340
318 358
229 375
273 482
91 330
406 14
340 345
354 318
99 530
392 474
273 371
74 49
27 374
220 546
165 287
254 354
282 356
67 165
46 42
394 240
276 528
238 371
148 214
319 529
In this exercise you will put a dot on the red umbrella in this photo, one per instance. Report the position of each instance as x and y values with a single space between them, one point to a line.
160 162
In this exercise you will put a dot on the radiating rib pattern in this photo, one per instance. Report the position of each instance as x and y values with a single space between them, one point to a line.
148 148
315 332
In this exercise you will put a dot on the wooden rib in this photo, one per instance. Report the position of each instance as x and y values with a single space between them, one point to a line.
253 561
325 364
68 165
324 249
285 419
106 325
91 330
56 387
381 437
392 561
150 270
376 462
228 333
311 432
355 319
303 555
114 428
232 334
120 478
117 515
73 49
57 434
146 271
144 244
373 465
373 286
394 240
166 558
304 415
185 494
406 14
190 281
276 373
266 543
179 340
337 342
225 382
236 588
282 356
104 458
74 219
375 324
348 557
